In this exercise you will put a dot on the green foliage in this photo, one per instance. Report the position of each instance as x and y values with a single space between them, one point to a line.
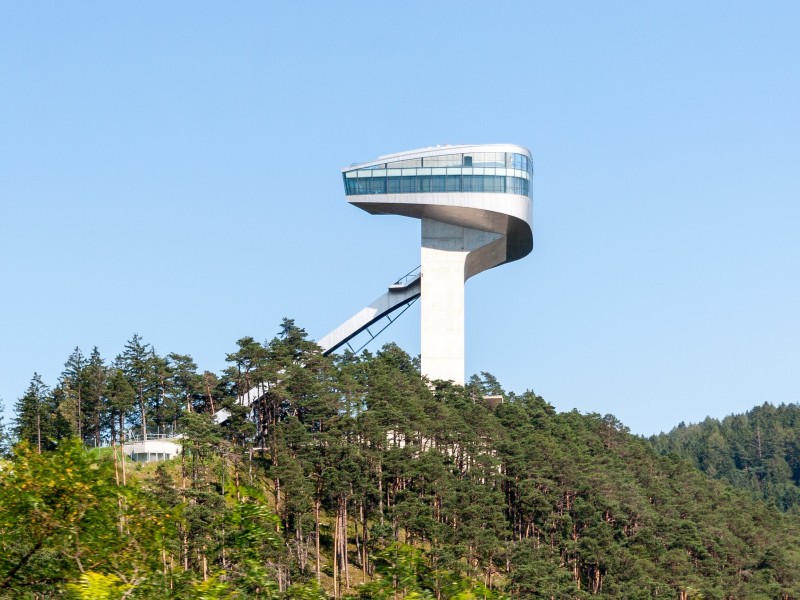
211 589
252 540
63 515
120 400
96 586
758 451
37 420
405 572
354 477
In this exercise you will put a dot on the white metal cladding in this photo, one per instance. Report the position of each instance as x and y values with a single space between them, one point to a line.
442 151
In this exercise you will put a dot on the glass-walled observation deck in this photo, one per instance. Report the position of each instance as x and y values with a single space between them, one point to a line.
493 172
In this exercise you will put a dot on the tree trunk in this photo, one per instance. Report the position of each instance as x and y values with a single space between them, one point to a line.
80 416
364 541
316 532
116 465
380 491
209 397
143 413
122 448
97 428
113 427
344 544
336 557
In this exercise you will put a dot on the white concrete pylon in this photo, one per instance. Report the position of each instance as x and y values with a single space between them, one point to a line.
474 202
445 249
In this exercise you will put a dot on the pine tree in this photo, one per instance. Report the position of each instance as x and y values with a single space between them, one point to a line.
248 363
161 405
95 377
296 423
187 384
73 392
137 365
120 403
36 416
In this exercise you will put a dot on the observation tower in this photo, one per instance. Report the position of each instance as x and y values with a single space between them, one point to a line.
474 204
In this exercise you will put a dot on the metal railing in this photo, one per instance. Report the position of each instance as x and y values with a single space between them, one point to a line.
408 278
138 437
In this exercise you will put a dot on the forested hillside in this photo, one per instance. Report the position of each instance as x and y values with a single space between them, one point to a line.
354 477
758 451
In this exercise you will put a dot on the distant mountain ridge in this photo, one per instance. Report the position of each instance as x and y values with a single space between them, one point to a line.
758 451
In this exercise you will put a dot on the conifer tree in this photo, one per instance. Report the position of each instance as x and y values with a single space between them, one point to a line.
137 364
120 403
36 416
186 384
95 379
73 392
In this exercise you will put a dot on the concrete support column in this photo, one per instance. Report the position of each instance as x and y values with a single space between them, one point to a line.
445 249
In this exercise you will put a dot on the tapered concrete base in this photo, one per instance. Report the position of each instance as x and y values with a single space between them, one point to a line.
445 268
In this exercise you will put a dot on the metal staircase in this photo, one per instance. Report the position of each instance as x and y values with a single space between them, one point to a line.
400 295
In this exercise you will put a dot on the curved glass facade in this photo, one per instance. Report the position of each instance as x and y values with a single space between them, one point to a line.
495 172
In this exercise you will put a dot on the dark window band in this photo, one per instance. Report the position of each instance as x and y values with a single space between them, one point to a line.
415 184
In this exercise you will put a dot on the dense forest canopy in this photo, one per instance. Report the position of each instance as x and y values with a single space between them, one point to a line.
758 451
355 477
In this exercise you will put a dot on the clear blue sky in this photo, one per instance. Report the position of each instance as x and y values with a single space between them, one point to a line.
173 169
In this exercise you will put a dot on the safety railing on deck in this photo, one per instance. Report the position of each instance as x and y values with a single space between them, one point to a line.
406 279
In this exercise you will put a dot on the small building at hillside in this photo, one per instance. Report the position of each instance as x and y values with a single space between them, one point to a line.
156 448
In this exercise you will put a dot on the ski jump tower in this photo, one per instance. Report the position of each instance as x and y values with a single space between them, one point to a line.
474 203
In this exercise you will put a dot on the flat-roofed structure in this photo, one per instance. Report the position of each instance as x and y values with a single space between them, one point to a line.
474 202
154 448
